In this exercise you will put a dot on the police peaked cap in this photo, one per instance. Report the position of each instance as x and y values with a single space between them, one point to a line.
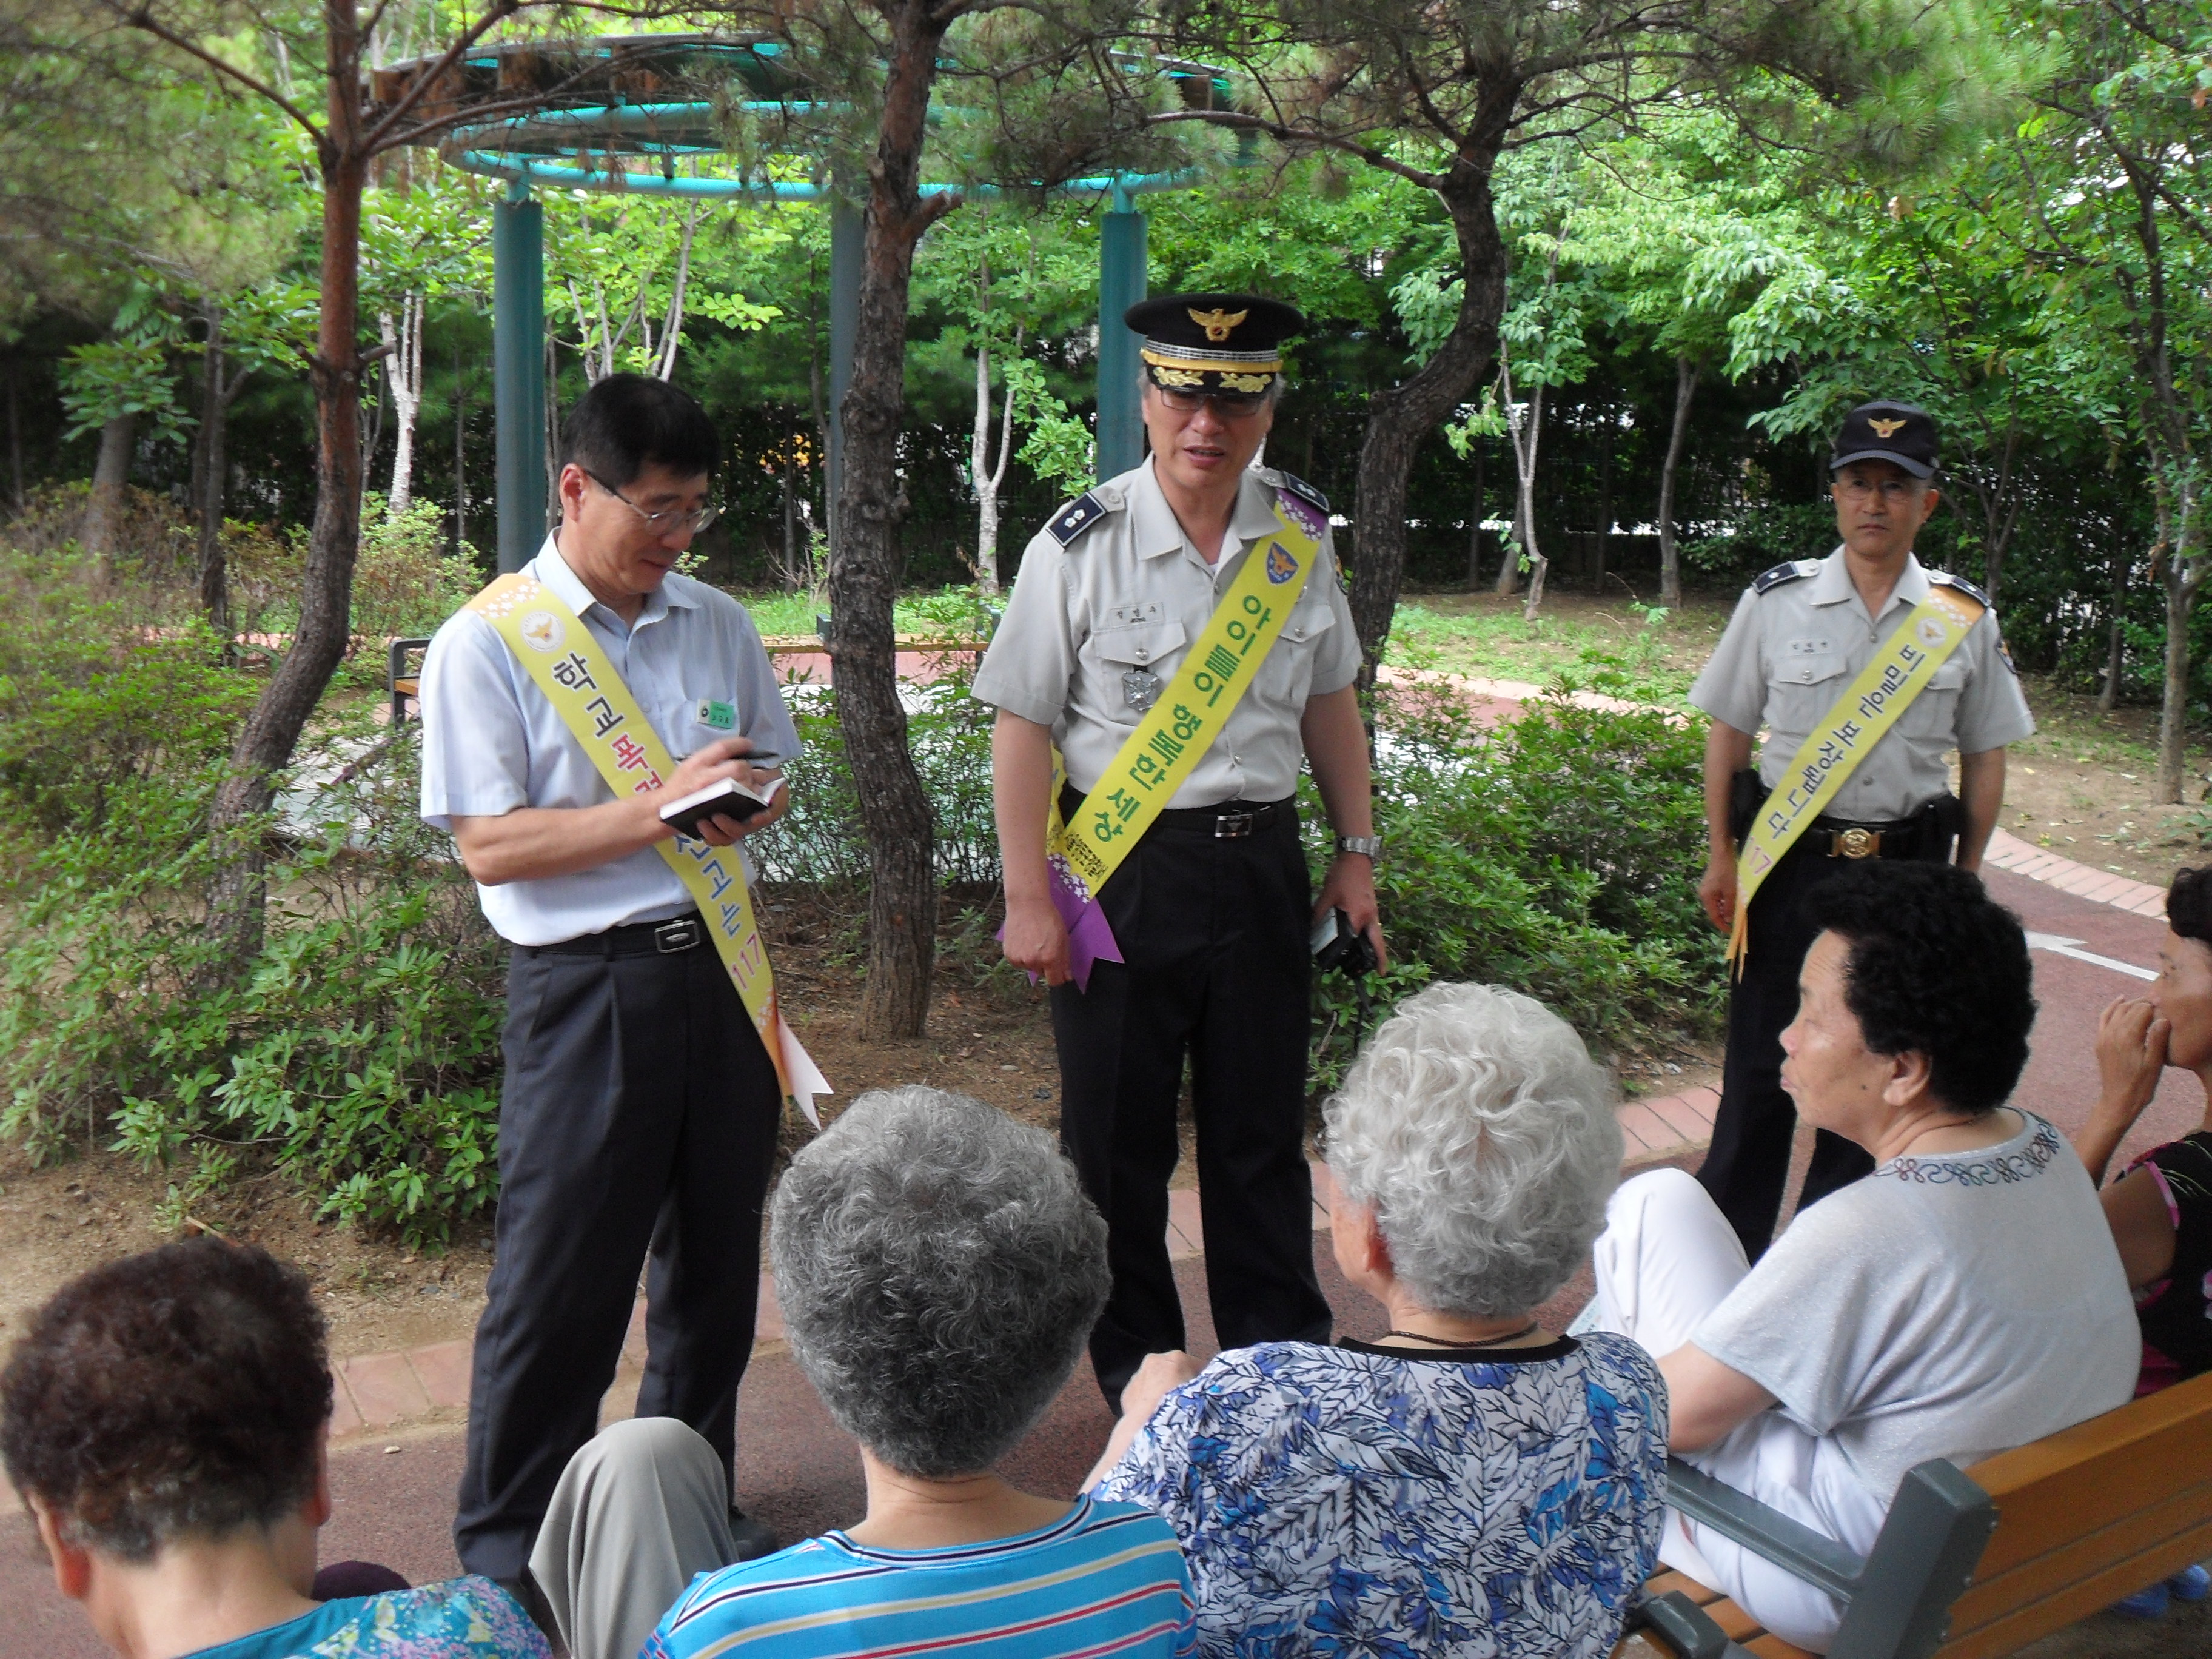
1886 431
1225 345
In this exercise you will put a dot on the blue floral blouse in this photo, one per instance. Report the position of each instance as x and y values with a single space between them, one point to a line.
1357 1501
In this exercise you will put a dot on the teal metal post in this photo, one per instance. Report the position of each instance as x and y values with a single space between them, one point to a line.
518 373
847 237
1121 282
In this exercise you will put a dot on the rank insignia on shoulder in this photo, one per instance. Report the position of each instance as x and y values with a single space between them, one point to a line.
1965 587
1078 516
1305 492
1796 569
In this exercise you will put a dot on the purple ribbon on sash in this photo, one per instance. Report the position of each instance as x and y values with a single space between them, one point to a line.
1090 935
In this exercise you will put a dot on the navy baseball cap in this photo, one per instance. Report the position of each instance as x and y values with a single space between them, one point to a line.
1886 431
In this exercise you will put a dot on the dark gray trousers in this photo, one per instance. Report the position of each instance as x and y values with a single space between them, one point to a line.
638 1115
1218 969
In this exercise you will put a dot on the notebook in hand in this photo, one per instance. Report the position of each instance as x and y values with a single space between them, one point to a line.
727 799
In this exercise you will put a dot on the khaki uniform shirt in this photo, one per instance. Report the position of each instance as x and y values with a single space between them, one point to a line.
1129 593
1790 652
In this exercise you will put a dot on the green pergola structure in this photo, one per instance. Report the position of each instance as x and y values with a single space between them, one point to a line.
633 114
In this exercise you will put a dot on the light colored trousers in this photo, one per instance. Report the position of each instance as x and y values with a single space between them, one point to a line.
1666 1260
641 1510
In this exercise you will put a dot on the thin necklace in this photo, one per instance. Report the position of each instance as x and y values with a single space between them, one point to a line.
1453 1342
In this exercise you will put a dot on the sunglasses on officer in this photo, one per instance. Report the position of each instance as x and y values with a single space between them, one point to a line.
667 522
1225 408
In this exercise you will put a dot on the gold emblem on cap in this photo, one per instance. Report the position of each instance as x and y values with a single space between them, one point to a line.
1217 323
1884 429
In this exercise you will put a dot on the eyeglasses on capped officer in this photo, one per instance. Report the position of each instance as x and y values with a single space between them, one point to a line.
1176 647
1866 669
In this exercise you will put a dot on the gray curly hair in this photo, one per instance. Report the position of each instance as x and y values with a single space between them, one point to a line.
939 1269
1482 1133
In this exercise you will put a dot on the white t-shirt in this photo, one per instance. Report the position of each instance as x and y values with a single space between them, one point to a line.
1953 1305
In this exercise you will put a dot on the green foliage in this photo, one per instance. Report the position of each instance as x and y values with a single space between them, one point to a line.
406 579
359 1052
107 725
110 379
1557 854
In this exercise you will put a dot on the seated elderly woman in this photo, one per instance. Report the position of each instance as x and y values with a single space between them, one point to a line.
1963 1298
164 1417
940 1270
1470 1482
2160 1208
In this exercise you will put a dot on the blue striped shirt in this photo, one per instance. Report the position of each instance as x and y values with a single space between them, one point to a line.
1105 1579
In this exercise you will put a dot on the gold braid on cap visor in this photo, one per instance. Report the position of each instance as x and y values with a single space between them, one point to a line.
1247 372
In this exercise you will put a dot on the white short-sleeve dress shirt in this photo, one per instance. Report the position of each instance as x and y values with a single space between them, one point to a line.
1128 596
1788 653
492 743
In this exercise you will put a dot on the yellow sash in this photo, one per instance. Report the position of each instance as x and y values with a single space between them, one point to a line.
1861 717
565 662
1182 723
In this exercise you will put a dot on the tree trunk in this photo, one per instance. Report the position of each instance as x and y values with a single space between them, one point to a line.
403 373
2184 575
1670 556
1525 503
864 566
460 458
1474 528
2116 632
273 729
215 408
1399 418
103 513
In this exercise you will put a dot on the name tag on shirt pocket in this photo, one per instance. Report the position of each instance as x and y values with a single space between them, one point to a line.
1805 660
715 714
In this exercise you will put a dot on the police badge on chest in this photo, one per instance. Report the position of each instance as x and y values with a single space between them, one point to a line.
1140 688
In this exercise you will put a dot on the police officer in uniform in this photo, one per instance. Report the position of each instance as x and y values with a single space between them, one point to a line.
1213 909
1800 634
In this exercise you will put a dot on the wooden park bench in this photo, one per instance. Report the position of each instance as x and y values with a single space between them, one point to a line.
1971 1564
404 684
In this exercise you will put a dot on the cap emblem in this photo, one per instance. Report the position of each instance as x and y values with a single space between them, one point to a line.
1884 429
1217 323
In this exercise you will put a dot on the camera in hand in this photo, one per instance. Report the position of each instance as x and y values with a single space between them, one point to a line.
726 799
1338 943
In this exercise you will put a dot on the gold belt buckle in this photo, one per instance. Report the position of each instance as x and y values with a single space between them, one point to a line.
1857 844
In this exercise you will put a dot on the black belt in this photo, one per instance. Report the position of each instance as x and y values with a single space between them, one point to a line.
1231 820
1838 838
636 939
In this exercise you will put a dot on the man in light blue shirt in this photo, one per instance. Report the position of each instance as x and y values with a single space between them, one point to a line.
638 1109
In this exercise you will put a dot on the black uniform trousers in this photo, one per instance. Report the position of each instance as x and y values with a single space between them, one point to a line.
638 1115
1756 1122
1214 930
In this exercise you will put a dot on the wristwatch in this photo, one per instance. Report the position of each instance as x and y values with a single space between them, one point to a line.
1368 847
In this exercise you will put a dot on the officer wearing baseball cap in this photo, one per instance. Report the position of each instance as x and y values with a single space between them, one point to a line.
1210 908
1800 634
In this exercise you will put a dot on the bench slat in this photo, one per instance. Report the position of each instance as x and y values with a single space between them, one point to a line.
1668 1579
2096 1473
2078 1601
1773 1647
1740 1626
1992 1595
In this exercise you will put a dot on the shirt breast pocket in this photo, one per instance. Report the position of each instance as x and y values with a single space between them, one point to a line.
1935 712
1287 674
1803 686
1150 647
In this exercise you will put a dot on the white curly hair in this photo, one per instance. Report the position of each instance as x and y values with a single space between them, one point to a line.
1482 1135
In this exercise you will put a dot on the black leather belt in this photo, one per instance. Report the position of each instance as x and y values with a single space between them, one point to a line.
636 939
1836 838
1232 820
